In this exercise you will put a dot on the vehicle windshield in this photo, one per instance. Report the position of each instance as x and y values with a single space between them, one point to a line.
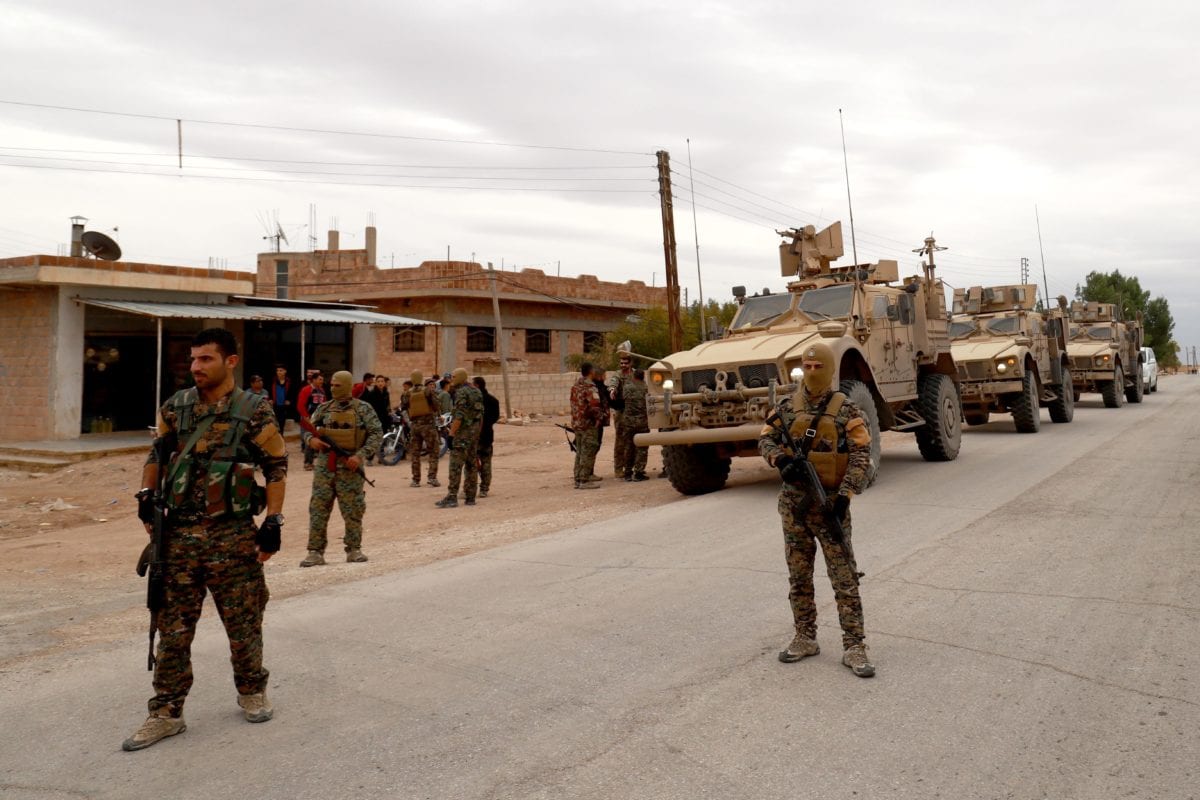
961 330
1004 325
1103 333
832 302
760 310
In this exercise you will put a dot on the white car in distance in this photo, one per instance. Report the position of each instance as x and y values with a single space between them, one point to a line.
1149 370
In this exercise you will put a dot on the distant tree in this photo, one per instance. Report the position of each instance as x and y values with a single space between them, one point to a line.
649 334
1171 359
1127 293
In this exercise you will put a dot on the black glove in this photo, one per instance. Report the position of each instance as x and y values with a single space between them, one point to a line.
839 505
269 534
789 469
145 501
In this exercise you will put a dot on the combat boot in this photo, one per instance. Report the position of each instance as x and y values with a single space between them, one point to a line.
449 501
256 707
434 482
470 501
158 726
313 559
640 476
586 485
802 646
416 483
355 556
594 478
855 658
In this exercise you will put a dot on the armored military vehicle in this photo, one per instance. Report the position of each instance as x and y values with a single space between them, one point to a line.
1011 358
1106 353
709 403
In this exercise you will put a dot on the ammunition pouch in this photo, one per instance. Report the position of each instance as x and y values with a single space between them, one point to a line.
230 489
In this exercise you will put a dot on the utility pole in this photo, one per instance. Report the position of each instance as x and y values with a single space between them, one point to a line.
501 342
668 222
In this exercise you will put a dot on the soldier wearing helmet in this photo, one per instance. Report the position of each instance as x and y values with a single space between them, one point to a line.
465 423
833 436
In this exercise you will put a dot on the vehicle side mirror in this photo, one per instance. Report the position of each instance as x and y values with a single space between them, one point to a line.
906 308
1024 341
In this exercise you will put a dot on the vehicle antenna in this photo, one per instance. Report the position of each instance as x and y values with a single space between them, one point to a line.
696 235
849 204
1045 282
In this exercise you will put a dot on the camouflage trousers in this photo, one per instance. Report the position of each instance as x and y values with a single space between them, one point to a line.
424 439
804 527
619 444
347 487
587 443
462 459
630 459
484 459
219 558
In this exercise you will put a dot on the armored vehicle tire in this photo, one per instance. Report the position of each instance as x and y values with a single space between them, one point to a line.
976 417
1026 413
1063 409
861 396
695 468
1134 393
937 401
1113 391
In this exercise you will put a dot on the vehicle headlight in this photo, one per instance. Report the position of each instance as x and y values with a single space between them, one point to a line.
797 374
668 384
1002 367
656 378
1103 360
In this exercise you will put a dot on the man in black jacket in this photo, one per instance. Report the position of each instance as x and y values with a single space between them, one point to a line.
491 415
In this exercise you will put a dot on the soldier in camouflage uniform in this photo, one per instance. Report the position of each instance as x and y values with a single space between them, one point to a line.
216 435
421 404
616 389
585 421
841 453
632 422
353 426
464 433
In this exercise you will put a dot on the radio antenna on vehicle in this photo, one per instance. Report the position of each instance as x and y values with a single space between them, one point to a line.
849 204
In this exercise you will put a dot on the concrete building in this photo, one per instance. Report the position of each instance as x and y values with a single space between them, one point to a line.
95 346
544 318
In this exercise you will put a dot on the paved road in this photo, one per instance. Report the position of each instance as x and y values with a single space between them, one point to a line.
1032 609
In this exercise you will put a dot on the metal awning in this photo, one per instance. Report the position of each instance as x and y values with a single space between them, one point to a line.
321 313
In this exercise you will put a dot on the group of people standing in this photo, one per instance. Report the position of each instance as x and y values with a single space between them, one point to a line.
597 399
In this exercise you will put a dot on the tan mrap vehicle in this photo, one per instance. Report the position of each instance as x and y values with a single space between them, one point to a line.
709 403
1106 353
1011 358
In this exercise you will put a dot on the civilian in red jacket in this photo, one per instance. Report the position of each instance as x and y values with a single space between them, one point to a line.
367 382
311 396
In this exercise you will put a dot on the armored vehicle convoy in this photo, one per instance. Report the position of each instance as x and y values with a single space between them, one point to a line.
709 403
1106 353
1011 358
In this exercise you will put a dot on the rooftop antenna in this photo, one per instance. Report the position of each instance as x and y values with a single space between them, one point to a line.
1042 252
846 164
696 234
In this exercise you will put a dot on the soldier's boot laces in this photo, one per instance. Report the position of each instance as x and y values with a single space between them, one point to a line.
801 647
355 556
256 707
855 658
449 501
158 726
313 559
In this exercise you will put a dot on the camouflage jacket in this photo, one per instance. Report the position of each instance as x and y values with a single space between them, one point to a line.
468 407
261 444
585 405
634 392
368 422
853 434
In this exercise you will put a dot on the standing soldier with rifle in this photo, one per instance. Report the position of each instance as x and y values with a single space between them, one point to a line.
198 502
464 438
422 406
342 432
819 441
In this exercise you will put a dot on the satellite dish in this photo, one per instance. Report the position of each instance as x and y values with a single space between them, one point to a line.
101 246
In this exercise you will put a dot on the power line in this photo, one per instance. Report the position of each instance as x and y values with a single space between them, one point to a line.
323 131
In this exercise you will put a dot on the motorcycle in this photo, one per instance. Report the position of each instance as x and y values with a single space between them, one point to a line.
443 429
395 440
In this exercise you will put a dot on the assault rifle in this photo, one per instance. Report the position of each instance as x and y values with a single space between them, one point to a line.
568 433
307 425
810 482
153 561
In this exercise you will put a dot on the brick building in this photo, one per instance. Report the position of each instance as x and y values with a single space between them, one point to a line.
544 318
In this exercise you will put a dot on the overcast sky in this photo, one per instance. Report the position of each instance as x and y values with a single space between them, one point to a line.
959 119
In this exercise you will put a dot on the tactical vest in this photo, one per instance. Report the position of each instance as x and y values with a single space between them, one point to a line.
829 453
418 403
229 485
340 426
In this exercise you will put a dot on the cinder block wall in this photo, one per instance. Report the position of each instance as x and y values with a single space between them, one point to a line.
27 339
535 394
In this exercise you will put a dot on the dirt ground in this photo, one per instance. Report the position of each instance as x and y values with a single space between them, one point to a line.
69 540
